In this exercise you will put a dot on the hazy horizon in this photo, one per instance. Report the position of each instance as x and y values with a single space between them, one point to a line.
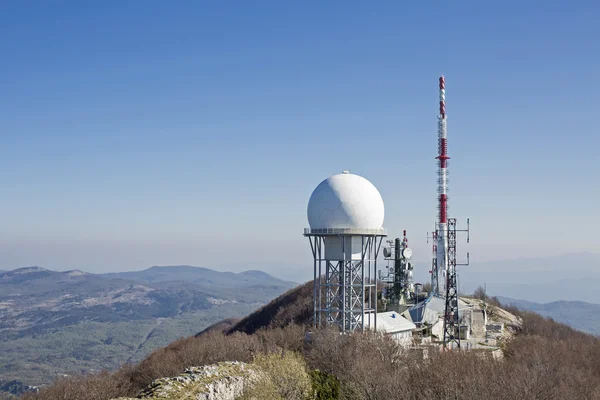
149 135
537 279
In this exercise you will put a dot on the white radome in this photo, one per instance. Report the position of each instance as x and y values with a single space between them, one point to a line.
345 201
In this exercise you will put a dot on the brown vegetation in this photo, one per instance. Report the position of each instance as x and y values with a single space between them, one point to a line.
480 294
545 360
221 326
104 385
293 307
427 287
286 372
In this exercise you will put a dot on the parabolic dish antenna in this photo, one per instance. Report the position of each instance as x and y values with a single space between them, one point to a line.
407 253
387 252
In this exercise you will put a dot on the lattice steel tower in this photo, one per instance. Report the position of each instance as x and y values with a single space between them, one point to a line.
452 318
435 281
345 267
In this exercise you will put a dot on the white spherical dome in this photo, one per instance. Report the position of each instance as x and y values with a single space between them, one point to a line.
345 201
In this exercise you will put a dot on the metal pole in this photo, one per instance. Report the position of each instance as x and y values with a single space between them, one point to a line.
342 274
320 309
314 280
362 286
327 292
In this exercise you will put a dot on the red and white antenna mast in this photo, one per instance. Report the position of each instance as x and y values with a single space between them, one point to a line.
446 236
442 234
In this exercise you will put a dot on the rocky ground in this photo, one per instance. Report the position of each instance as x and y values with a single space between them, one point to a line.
223 381
490 325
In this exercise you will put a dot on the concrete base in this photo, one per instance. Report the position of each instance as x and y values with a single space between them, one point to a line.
465 332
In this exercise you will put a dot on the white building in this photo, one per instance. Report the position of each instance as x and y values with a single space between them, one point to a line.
396 325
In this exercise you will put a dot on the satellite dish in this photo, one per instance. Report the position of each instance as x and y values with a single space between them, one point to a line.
407 253
387 252
410 267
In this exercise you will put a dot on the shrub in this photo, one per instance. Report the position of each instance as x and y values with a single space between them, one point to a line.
427 287
291 337
325 386
287 371
262 390
103 385
479 293
365 363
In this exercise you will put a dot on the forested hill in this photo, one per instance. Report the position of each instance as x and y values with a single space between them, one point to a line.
73 321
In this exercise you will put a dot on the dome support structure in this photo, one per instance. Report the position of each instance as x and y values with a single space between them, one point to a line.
345 278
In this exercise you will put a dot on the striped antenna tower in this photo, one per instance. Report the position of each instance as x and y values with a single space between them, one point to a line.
446 236
442 233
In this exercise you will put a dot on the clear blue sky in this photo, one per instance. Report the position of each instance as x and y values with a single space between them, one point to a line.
139 133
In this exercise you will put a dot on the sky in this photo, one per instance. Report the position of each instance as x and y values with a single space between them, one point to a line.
140 133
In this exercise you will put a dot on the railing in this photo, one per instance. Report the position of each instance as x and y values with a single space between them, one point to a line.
345 231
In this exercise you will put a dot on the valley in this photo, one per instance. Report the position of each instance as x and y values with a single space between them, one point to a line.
55 323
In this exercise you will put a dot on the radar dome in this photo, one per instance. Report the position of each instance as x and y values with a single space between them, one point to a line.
345 201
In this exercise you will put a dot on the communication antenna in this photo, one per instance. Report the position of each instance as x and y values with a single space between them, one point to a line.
435 281
452 321
400 272
445 258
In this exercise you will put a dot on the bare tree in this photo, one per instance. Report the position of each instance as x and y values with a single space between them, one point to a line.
479 293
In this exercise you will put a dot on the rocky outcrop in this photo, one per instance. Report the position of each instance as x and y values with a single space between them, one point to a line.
223 381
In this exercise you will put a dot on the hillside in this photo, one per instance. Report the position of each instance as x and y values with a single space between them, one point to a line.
344 366
293 307
221 326
577 314
69 322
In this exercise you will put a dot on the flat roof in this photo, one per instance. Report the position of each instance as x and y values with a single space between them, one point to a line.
391 322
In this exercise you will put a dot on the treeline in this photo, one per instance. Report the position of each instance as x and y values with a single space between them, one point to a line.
546 360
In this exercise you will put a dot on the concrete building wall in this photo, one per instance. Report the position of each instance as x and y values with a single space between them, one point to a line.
437 329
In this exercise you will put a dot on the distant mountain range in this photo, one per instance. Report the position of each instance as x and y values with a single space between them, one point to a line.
54 323
198 275
577 314
570 277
